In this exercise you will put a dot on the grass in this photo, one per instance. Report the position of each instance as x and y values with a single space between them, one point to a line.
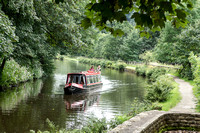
173 100
179 128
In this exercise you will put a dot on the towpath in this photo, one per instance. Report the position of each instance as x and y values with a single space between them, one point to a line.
187 103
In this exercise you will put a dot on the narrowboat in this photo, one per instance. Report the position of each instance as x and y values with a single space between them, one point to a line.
83 81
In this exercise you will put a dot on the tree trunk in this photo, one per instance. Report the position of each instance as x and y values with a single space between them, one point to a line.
2 67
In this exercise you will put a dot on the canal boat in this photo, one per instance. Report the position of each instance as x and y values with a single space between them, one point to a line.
83 81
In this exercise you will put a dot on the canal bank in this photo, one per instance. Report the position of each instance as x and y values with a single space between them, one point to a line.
181 117
143 122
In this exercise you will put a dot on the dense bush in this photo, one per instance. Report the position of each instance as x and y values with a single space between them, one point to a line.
141 70
154 73
14 73
195 61
160 89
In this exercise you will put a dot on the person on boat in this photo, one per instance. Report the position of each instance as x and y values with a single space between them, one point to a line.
92 69
99 68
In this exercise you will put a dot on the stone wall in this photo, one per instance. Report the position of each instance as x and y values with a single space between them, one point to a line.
154 121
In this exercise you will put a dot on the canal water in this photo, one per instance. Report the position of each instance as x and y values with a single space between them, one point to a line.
28 106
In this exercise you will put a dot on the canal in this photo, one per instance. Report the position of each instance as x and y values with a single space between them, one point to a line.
27 106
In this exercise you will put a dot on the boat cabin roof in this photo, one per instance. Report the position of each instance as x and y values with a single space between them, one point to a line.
86 73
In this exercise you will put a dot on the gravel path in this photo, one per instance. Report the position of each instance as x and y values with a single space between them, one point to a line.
187 103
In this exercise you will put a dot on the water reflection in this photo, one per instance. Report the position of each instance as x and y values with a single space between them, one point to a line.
29 105
80 102
13 97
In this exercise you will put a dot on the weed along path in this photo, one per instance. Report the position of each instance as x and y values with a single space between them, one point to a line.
187 103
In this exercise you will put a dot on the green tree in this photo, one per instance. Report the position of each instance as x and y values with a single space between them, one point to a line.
165 47
40 26
175 45
7 38
146 13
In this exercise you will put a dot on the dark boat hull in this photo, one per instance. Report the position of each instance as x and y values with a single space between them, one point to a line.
72 89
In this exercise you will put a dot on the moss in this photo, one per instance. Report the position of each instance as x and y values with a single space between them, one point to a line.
179 128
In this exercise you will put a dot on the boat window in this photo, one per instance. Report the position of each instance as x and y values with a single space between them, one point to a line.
88 79
99 78
70 78
94 77
82 80
75 79
91 79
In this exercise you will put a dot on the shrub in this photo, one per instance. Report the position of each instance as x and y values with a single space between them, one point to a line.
109 63
102 63
13 73
160 89
119 65
37 72
52 128
154 73
195 62
119 120
141 70
95 125
61 58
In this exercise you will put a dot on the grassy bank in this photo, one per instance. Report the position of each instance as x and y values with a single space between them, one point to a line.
172 101
163 90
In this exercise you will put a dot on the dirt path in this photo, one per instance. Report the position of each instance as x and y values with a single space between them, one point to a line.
187 103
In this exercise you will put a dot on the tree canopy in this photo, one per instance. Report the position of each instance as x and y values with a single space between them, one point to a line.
150 14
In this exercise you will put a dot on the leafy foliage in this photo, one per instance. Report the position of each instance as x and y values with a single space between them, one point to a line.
119 65
195 64
147 57
160 89
174 45
179 50
7 35
154 73
151 14
104 45
14 73
141 70
30 30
